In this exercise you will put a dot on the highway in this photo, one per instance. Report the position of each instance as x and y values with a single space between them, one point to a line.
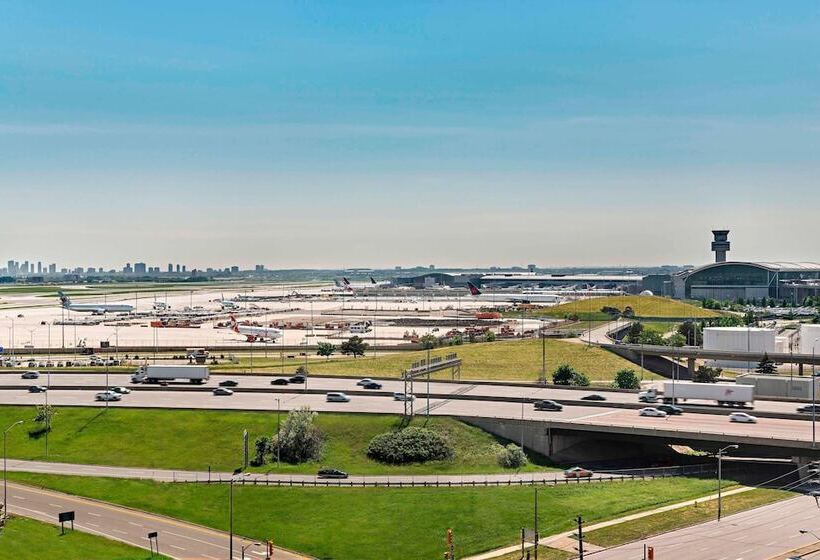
757 534
176 539
776 431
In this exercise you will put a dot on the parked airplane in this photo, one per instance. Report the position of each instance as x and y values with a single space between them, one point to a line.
255 334
228 304
516 297
95 308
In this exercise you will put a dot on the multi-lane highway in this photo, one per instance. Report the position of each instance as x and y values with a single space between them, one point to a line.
176 539
450 399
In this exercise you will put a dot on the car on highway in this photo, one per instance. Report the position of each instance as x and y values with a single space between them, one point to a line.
372 385
222 391
363 382
652 411
399 396
593 397
337 397
670 409
37 389
228 383
331 473
279 381
577 472
548 405
107 396
121 390
298 378
809 408
31 374
742 417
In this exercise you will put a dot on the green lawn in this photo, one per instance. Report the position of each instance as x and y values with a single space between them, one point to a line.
382 523
27 539
683 517
518 360
644 306
194 439
544 553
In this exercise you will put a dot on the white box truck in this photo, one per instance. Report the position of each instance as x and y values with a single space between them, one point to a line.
155 374
730 394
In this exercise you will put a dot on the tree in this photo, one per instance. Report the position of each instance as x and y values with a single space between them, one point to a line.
299 439
566 375
692 333
262 446
490 336
302 370
326 349
457 340
652 338
766 365
511 457
428 341
354 345
628 312
705 374
580 379
676 340
749 318
43 419
627 379
633 334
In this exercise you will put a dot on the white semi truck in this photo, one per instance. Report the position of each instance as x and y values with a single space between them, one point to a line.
156 374
729 394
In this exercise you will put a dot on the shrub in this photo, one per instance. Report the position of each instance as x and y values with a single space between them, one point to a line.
566 375
300 440
301 370
490 336
626 379
410 445
706 374
511 457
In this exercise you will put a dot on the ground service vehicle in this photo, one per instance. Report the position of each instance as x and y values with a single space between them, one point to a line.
156 374
728 394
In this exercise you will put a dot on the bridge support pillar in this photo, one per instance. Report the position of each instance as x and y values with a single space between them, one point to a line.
690 365
800 369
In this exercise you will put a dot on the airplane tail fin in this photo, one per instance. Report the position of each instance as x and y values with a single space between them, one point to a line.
234 324
473 290
64 299
372 281
347 284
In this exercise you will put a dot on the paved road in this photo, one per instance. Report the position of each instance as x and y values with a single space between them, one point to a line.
167 475
438 389
177 539
757 534
776 431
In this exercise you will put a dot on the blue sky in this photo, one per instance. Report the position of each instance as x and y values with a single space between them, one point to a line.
382 133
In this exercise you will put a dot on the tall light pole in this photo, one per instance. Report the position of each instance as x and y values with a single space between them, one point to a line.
813 396
720 476
278 441
247 546
5 485
230 512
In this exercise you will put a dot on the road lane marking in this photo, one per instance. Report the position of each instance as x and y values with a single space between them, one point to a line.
118 531
194 539
595 415
175 546
135 524
56 505
19 498
93 514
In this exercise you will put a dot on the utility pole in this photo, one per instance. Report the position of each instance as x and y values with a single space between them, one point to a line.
580 521
720 476
535 522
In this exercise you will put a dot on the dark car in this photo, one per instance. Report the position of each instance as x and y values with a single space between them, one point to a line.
547 405
279 381
809 408
372 385
670 409
332 473
37 389
593 397
299 378
229 383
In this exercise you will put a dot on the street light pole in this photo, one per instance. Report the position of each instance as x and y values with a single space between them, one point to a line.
720 477
813 396
5 485
278 441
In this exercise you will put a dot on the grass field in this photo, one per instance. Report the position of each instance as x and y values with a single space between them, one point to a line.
195 439
518 360
381 523
683 517
544 553
644 306
27 539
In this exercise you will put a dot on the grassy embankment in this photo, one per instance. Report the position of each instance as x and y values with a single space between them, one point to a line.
381 523
518 360
27 539
195 439
644 306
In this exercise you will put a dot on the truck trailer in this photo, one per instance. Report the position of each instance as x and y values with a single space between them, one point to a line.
155 374
729 394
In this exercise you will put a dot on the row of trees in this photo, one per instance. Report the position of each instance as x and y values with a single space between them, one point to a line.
355 346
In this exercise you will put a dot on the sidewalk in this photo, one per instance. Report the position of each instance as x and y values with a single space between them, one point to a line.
565 541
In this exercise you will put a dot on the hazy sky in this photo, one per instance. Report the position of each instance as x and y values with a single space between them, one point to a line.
383 133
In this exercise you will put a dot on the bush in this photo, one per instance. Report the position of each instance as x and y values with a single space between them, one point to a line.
262 447
490 336
566 375
627 379
301 370
410 445
300 440
705 374
511 457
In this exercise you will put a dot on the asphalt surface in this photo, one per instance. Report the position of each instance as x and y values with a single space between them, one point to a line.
463 399
757 534
176 539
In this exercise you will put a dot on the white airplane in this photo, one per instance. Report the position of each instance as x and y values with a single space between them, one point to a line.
517 297
361 286
228 304
255 334
95 308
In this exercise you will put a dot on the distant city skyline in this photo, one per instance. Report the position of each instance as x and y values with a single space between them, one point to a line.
375 134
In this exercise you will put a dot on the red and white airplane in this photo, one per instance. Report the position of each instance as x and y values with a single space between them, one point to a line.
255 334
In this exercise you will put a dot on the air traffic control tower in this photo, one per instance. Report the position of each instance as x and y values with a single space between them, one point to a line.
721 244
